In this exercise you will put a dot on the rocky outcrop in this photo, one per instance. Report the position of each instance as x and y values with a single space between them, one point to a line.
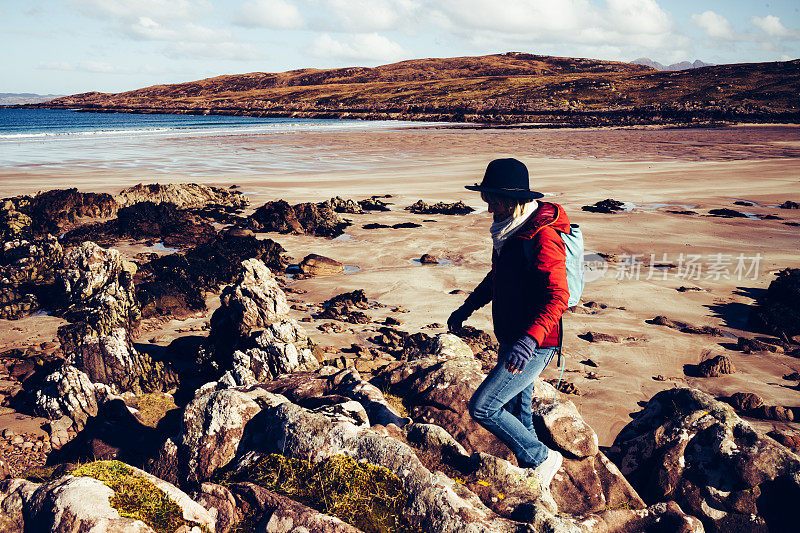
788 204
212 428
686 446
607 206
27 274
374 203
319 265
778 311
30 217
98 290
716 366
753 405
182 195
97 285
176 283
147 221
340 205
282 348
685 327
440 208
67 392
84 502
253 301
306 218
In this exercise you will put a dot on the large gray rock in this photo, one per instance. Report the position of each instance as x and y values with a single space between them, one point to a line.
69 504
67 392
282 348
253 301
183 195
112 359
439 390
26 267
283 515
14 495
686 446
81 503
212 427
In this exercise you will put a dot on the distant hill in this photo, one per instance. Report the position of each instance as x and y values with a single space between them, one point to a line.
25 98
510 88
683 65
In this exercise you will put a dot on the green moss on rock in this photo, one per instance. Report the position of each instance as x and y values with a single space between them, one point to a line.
366 496
136 496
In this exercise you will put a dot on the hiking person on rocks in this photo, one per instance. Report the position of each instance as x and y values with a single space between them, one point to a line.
527 286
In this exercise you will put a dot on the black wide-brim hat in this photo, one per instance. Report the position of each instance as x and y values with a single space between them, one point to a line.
508 177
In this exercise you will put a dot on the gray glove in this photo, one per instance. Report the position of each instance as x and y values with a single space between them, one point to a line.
520 353
457 318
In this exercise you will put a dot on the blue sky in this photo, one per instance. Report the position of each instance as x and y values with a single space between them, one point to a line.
72 46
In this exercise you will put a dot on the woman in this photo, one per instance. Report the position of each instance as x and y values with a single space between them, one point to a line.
527 286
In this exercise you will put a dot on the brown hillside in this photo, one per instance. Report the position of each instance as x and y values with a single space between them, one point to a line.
501 88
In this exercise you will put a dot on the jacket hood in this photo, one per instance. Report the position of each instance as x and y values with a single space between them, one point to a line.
547 214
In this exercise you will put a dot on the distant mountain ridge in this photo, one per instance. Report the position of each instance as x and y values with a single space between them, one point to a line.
26 98
683 65
509 88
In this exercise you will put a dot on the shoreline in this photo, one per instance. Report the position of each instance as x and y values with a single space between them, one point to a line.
434 165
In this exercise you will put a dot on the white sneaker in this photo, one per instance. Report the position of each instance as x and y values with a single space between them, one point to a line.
547 470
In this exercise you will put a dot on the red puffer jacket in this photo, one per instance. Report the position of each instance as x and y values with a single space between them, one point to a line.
528 290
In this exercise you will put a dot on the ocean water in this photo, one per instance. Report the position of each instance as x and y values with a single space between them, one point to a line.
161 143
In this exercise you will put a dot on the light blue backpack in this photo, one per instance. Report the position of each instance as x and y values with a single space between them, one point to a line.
573 242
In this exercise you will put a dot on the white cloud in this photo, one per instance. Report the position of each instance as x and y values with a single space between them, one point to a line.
359 47
516 16
716 26
228 50
149 30
276 14
772 26
638 16
133 9
366 15
83 66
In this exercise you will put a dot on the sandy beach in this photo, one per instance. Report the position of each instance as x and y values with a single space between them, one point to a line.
655 170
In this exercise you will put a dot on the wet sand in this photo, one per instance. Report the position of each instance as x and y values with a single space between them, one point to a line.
703 169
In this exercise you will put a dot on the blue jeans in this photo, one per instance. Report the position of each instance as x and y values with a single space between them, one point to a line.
502 404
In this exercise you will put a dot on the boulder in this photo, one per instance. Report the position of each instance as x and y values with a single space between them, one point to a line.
182 195
566 428
50 212
111 359
312 219
221 504
253 301
284 515
778 311
97 287
374 203
27 273
340 205
788 204
84 503
716 366
686 446
14 496
428 259
318 265
684 327
282 348
213 426
66 392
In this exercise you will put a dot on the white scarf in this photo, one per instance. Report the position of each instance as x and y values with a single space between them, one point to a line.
503 229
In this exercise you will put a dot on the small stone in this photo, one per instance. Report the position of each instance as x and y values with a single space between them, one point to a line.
428 259
17 439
